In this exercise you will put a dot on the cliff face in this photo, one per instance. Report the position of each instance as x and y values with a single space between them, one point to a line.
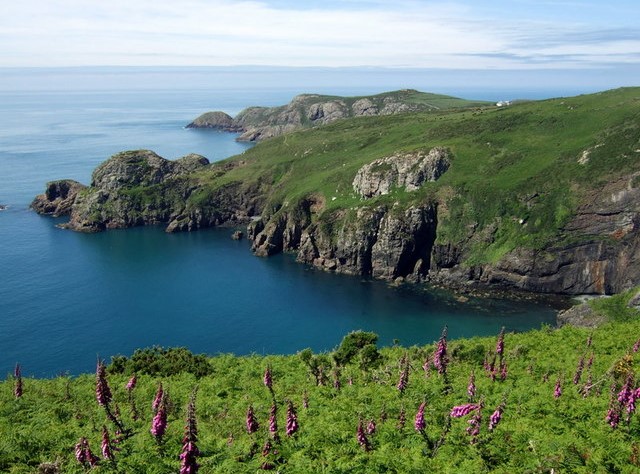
309 110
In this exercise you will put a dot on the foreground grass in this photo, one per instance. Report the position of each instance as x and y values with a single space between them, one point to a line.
537 433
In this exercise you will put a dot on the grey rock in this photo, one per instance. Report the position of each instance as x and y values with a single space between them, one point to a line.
582 315
58 198
408 171
215 120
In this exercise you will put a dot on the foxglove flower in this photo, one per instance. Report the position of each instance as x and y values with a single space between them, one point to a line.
402 418
273 421
336 378
636 346
404 378
158 398
500 343
103 392
190 452
613 417
440 356
427 366
292 419
495 417
371 427
557 391
589 340
362 437
267 378
267 449
419 423
159 423
474 425
627 392
251 421
17 373
107 452
471 387
84 455
578 375
305 399
463 410
131 384
503 369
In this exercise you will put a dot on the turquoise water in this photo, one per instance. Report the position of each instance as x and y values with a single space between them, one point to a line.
67 297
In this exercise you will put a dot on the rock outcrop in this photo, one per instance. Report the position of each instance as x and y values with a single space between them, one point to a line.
408 171
309 110
58 198
582 315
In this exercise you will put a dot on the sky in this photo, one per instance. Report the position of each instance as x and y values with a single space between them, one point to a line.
463 34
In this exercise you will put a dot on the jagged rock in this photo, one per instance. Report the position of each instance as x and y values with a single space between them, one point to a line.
408 171
582 315
2 207
58 198
237 235
364 107
634 302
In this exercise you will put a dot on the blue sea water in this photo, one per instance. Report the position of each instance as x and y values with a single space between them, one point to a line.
66 297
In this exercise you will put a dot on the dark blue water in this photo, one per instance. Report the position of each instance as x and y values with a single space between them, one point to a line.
67 297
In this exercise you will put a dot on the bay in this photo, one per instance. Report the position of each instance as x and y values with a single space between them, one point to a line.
66 298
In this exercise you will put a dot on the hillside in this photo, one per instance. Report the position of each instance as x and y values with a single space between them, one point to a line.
566 400
310 110
540 196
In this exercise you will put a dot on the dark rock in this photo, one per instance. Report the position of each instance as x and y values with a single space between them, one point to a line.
58 198
217 121
582 315
237 235
2 207
634 302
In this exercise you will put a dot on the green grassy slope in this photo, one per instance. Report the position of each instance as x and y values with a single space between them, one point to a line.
538 432
518 162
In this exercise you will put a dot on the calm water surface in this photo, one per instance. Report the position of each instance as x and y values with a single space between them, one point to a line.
67 297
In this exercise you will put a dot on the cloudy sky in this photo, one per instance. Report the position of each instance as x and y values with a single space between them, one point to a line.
492 34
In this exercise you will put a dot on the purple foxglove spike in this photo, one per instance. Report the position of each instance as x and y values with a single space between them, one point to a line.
557 391
419 422
158 398
103 392
251 421
503 370
273 421
471 387
107 453
463 410
81 454
500 343
131 384
371 427
159 423
474 426
636 346
267 378
402 418
362 437
292 419
495 417
578 375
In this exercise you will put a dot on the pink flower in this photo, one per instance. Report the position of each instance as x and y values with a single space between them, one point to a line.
251 421
557 391
419 423
495 418
17 373
190 452
362 437
471 387
440 356
158 398
474 425
131 384
404 378
103 392
500 343
159 423
107 453
579 369
84 454
273 422
292 419
267 378
371 427
463 410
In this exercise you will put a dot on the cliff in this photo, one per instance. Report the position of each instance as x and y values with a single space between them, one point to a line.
541 197
310 110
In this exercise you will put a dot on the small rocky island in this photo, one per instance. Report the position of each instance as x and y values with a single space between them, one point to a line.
310 110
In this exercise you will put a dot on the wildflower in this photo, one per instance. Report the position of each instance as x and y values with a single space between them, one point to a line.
18 376
84 454
636 346
251 421
419 423
474 425
273 422
463 410
427 366
107 451
404 378
158 398
625 394
440 355
190 452
500 343
305 399
495 417
267 378
131 384
103 392
579 369
503 369
471 387
557 391
402 418
292 419
362 437
371 427
336 378
267 449
613 417
159 423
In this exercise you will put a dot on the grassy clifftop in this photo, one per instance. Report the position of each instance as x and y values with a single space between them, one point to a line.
557 391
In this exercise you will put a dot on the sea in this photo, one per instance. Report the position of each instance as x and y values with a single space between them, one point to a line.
68 298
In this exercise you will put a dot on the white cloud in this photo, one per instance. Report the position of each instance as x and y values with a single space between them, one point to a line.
225 32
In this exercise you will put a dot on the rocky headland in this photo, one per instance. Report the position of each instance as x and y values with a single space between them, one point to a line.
309 110
437 214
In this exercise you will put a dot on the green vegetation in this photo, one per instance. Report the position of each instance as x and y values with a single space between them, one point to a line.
538 432
517 176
